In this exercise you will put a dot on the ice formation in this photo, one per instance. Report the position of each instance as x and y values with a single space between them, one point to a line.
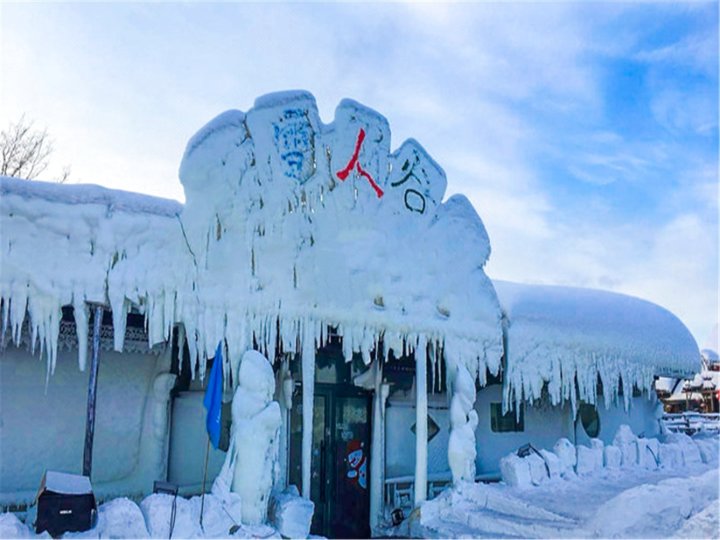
567 339
290 514
463 421
256 419
290 226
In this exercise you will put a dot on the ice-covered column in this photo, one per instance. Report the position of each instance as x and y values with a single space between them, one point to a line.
421 422
463 421
308 398
284 393
377 457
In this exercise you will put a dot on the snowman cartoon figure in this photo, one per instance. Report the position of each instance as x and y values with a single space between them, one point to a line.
357 463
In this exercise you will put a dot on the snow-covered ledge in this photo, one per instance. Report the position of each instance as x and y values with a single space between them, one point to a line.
569 338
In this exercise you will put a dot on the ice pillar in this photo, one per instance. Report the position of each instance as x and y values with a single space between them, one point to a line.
377 457
421 422
308 392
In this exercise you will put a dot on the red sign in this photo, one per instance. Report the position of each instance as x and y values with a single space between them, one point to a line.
355 164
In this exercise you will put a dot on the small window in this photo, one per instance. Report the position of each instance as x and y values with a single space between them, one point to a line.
590 419
500 422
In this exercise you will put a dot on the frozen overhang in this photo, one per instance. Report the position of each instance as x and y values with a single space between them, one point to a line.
568 338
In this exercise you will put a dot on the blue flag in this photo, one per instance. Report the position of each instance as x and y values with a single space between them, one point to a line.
213 398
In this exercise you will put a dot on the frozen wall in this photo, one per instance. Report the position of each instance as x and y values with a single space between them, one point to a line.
188 442
641 416
45 428
542 427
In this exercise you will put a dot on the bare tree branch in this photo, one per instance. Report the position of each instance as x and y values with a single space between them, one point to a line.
25 151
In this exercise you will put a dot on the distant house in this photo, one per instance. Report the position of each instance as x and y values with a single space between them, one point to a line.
340 262
699 393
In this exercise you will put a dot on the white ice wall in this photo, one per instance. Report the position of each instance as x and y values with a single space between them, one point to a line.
188 441
641 417
543 426
45 429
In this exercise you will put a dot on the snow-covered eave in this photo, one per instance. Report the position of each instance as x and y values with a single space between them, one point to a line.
128 251
566 340
115 200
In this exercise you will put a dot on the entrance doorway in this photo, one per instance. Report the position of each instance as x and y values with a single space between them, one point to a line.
340 464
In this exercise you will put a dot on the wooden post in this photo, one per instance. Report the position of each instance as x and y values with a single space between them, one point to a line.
92 392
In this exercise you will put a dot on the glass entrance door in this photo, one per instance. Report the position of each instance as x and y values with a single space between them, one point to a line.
340 465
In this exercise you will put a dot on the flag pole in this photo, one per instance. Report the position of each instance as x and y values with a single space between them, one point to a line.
202 500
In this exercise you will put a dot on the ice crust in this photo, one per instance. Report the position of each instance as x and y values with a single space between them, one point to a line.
567 339
272 247
292 226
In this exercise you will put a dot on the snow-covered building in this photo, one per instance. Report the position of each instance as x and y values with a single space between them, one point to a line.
400 366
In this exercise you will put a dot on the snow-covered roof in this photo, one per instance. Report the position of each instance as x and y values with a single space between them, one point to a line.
290 226
565 336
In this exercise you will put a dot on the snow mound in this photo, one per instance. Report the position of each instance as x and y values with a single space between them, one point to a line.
515 471
704 524
566 453
157 510
665 506
480 510
567 337
118 518
290 514
12 527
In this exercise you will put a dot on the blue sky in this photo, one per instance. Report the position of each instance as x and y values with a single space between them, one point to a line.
585 134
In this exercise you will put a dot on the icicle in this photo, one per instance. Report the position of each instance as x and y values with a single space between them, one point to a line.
119 307
181 347
5 318
18 308
421 421
80 312
308 398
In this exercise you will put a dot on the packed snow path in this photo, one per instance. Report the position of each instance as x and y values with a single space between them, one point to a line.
637 503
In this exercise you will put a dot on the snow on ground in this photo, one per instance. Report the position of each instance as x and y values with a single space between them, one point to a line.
122 518
623 503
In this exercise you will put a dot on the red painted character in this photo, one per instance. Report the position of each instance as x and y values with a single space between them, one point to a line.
355 164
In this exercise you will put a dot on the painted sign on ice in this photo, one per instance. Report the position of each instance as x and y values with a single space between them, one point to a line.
294 140
419 182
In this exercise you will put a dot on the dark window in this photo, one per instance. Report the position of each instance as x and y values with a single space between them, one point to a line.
590 419
500 422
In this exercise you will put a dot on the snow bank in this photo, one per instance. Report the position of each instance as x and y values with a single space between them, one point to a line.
12 527
117 518
515 471
708 448
290 514
566 338
566 453
612 457
290 226
157 510
626 441
552 461
651 510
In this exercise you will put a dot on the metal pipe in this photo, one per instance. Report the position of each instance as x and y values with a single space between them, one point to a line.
92 392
